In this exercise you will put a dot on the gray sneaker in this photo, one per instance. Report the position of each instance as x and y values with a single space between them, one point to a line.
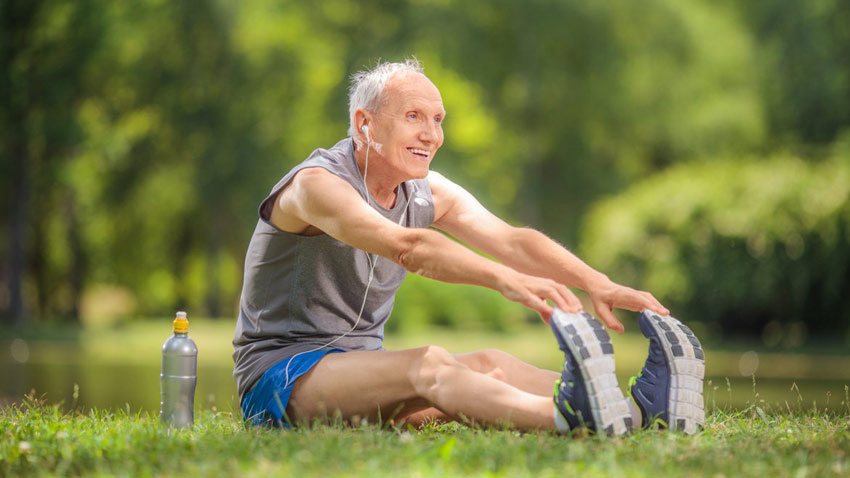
669 389
587 394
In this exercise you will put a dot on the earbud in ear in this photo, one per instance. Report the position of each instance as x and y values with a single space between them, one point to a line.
365 130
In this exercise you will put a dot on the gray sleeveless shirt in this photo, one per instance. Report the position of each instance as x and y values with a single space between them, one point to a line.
301 292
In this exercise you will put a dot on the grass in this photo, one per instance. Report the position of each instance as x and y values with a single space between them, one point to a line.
97 358
790 434
38 439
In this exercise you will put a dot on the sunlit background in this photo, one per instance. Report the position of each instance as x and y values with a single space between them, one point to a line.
699 149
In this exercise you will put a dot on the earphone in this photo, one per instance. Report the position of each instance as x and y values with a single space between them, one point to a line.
372 262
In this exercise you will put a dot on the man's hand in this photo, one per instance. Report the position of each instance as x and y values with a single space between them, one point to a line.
548 265
532 292
608 296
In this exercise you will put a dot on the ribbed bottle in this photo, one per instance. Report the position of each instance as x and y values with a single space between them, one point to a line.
178 376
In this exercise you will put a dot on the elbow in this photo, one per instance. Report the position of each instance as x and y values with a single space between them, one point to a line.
532 237
519 244
410 249
520 239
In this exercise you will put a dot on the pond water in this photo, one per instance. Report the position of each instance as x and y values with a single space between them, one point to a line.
136 386
111 386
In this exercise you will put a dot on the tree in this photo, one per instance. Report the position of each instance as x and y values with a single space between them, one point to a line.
739 243
46 45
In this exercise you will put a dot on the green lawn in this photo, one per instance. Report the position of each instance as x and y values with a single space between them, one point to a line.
43 440
791 433
96 359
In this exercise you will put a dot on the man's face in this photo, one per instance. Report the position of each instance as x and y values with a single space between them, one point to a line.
408 124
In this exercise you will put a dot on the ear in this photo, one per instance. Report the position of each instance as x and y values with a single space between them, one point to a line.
362 118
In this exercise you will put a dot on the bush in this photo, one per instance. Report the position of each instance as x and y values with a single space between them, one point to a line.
752 245
424 302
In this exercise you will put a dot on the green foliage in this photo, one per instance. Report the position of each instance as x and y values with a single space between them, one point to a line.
589 97
741 243
136 139
802 66
423 302
41 440
45 46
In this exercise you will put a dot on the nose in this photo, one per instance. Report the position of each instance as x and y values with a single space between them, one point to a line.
431 132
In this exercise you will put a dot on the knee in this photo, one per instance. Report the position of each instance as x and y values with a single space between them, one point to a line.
494 363
433 366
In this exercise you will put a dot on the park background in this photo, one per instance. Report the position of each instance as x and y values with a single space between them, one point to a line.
698 149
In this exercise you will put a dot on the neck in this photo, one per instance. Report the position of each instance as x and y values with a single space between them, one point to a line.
381 183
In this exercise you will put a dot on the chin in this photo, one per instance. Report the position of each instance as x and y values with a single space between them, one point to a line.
421 173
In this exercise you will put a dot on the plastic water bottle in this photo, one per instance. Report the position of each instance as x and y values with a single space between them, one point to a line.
178 376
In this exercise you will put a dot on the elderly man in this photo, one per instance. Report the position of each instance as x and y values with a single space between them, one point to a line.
335 239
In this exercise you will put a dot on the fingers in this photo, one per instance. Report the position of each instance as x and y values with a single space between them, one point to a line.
532 292
540 306
572 303
563 298
645 300
636 300
560 295
537 290
606 315
548 289
654 305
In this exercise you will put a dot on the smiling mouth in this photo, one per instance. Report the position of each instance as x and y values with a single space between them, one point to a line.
421 153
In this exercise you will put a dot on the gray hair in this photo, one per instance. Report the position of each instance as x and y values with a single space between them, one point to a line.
367 88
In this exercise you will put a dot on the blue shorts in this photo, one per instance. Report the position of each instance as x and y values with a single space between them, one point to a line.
266 402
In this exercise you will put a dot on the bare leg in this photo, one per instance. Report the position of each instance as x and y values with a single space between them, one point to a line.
503 367
373 384
509 369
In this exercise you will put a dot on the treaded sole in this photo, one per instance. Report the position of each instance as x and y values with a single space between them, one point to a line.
590 346
686 364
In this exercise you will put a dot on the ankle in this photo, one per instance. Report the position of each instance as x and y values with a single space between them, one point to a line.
561 424
637 414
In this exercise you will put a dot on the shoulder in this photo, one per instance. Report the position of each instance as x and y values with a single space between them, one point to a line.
449 198
337 155
441 186
447 189
313 183
435 177
312 189
313 174
326 166
440 193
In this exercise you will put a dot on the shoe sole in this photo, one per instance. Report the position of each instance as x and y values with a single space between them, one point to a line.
590 346
686 365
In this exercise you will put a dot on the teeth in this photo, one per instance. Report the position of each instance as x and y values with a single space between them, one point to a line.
419 151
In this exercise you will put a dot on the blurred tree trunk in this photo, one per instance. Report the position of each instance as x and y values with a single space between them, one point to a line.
37 263
46 47
16 18
77 272
213 290
18 202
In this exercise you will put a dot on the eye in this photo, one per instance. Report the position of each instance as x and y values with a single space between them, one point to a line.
412 115
438 120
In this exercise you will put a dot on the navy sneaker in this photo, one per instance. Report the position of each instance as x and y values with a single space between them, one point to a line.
669 389
587 395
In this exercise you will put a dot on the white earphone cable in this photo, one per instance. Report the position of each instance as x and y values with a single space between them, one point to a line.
372 264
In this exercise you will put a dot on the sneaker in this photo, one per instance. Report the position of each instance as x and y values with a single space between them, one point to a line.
587 395
669 389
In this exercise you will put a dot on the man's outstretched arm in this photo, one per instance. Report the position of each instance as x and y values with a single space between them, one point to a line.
531 252
318 198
